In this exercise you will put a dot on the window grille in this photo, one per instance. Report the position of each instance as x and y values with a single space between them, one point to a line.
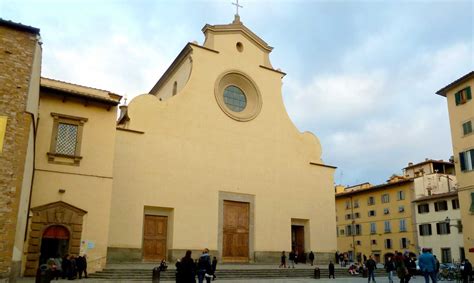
66 139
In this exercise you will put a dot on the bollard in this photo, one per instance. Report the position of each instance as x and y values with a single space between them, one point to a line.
156 275
317 273
365 273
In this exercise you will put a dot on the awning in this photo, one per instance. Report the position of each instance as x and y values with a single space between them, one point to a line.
56 232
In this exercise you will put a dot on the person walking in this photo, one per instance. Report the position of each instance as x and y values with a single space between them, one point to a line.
204 267
331 270
390 267
371 265
213 268
466 271
311 257
283 260
186 269
291 258
400 266
427 264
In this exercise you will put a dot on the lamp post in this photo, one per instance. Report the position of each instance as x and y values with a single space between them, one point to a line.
448 222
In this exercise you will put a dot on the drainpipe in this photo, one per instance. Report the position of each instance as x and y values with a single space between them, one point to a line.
35 125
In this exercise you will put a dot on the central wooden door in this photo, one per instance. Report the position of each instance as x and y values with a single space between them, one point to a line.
297 241
236 232
154 237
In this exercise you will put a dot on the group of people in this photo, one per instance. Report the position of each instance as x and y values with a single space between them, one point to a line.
293 258
204 268
69 266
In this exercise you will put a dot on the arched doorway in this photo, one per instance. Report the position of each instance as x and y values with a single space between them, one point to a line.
54 243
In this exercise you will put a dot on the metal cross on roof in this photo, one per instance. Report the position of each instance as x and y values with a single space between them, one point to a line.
237 6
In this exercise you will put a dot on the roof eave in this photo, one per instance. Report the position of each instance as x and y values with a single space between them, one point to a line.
457 82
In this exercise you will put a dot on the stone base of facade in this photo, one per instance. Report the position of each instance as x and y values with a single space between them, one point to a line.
275 257
122 255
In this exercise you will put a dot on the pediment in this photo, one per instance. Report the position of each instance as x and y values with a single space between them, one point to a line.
238 27
59 205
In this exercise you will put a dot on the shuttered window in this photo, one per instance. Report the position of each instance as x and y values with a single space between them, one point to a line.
466 160
463 96
467 127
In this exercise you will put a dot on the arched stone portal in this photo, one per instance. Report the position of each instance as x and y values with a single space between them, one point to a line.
54 243
57 225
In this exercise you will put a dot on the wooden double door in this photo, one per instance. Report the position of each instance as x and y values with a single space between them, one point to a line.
236 232
154 237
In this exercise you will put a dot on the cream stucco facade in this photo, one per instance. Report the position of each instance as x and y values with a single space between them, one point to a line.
183 155
461 113
73 191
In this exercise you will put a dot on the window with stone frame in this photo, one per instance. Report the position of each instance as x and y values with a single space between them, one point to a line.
66 139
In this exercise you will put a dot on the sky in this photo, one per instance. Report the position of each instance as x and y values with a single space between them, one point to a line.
361 75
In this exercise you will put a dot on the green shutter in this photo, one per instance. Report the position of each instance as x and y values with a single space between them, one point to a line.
457 96
471 209
472 158
461 161
468 93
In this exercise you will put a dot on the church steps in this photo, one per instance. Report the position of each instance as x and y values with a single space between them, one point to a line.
145 274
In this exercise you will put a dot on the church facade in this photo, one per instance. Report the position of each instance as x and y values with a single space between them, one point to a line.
207 159
210 159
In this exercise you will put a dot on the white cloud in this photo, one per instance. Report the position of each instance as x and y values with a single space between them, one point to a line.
372 124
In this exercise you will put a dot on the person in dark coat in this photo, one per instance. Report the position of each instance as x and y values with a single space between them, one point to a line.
331 270
213 268
311 257
291 257
204 267
81 265
72 270
466 272
390 268
186 269
65 266
371 266
283 260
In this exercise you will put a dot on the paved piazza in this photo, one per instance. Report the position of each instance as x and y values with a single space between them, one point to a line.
418 279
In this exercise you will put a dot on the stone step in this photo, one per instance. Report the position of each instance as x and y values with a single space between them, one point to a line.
146 274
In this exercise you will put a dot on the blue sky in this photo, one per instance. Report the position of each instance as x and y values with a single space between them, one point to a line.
361 75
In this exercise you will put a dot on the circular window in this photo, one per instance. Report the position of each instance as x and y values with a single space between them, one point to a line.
238 96
235 98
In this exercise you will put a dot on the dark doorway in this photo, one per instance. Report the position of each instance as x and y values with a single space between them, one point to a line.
54 243
297 242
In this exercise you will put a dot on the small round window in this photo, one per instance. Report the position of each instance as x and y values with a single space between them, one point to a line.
234 98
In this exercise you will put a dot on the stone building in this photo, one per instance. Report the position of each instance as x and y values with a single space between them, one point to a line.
461 118
376 220
20 65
